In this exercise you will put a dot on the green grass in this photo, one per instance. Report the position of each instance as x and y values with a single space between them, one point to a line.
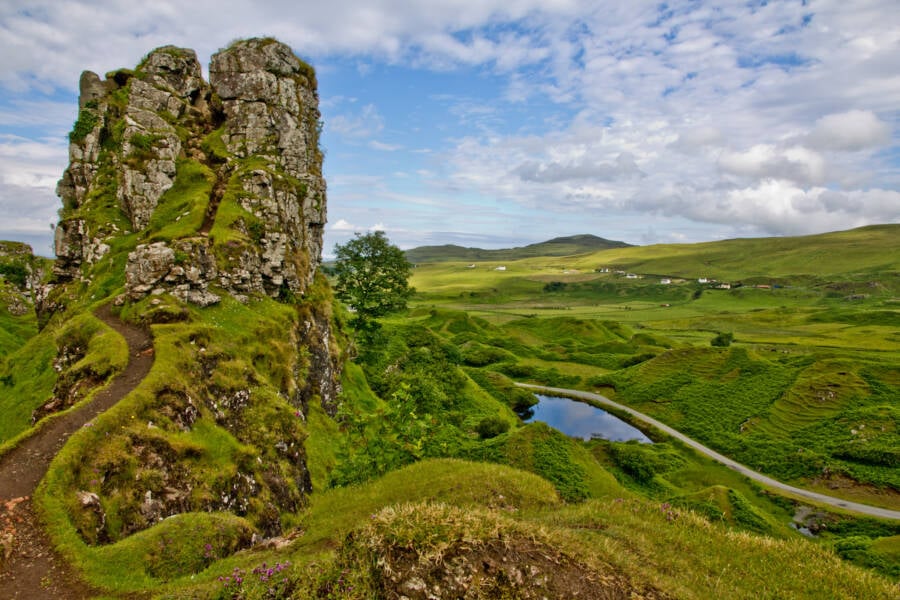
175 550
181 429
564 246
15 330
182 207
805 393
29 377
653 543
691 558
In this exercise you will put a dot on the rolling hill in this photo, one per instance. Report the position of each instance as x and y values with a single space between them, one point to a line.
875 248
561 246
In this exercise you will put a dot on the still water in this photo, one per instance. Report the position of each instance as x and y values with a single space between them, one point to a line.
581 420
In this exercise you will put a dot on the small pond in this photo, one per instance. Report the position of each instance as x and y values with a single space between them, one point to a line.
581 420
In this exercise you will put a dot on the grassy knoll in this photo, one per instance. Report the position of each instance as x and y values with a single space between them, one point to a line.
563 246
857 252
640 544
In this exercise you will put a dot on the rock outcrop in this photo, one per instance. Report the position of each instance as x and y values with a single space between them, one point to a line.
191 191
251 133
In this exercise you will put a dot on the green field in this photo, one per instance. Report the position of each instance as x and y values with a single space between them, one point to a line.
811 376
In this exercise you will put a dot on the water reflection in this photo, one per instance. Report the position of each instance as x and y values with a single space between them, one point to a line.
581 420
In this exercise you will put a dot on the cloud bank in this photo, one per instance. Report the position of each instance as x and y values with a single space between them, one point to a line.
521 119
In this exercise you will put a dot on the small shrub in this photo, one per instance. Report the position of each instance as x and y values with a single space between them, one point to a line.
555 286
15 274
490 427
722 340
142 141
85 124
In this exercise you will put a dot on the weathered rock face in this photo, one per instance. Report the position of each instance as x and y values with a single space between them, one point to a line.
254 129
181 188
171 87
219 184
271 111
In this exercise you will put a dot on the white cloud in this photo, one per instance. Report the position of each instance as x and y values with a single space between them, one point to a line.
29 171
585 167
852 130
765 161
694 138
381 146
752 117
364 124
342 225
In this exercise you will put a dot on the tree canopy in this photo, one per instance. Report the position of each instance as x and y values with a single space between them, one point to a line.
372 277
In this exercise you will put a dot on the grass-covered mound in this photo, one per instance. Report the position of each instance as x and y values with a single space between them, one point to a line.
424 550
401 535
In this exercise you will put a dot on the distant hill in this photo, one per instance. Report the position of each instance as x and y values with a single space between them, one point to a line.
856 253
561 246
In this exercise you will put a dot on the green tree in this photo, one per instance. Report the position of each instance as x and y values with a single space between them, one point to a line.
372 277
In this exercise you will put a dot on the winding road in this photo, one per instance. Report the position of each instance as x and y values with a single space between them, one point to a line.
865 509
30 568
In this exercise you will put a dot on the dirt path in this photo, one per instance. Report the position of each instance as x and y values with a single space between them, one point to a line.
873 511
29 567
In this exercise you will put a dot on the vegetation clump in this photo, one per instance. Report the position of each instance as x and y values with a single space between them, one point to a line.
372 277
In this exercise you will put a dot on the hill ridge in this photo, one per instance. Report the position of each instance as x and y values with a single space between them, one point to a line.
558 246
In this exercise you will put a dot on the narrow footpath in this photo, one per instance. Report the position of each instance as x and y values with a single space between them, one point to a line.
29 566
865 509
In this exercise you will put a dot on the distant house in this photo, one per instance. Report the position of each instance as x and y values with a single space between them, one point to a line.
763 286
703 280
665 281
472 266
631 276
603 270
724 286
500 268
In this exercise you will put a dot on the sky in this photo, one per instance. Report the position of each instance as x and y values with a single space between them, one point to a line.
499 123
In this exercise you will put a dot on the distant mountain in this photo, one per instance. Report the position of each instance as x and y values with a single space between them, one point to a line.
561 246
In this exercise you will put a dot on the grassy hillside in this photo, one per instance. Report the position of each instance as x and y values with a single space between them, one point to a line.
562 246
805 392
855 253
370 540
